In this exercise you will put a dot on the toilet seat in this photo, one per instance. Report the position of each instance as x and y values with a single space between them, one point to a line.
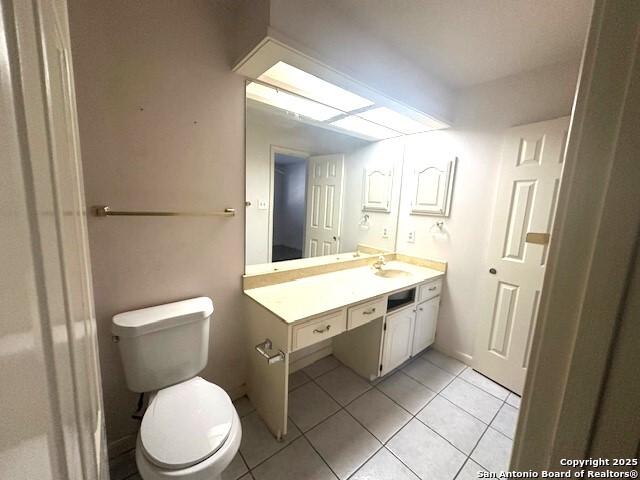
186 423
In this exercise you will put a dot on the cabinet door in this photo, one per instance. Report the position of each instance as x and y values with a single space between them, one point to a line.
397 339
377 190
425 328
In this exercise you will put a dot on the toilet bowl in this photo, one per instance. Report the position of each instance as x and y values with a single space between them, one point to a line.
190 429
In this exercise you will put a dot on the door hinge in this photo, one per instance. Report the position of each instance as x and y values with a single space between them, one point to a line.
380 367
384 327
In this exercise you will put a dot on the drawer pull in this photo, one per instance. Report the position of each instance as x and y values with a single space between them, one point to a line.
322 330
263 349
370 311
431 289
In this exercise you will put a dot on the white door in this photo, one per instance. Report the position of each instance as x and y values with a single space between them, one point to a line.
398 335
324 205
425 328
530 170
51 396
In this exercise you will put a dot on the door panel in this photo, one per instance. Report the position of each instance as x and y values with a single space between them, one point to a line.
527 193
324 205
425 325
56 414
397 339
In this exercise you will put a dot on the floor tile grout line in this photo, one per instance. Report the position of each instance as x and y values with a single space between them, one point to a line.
383 444
425 406
246 464
401 461
314 447
480 438
366 460
344 408
414 416
340 364
284 444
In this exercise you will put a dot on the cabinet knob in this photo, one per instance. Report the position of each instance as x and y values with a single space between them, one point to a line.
493 271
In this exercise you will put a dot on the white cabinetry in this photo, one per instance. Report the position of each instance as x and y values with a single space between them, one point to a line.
397 339
425 324
412 329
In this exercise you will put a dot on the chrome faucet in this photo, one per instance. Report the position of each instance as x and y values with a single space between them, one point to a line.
379 263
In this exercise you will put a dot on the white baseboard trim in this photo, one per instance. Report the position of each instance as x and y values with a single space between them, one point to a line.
461 356
122 445
237 392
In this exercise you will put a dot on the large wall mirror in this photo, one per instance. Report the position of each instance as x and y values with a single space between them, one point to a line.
325 171
314 191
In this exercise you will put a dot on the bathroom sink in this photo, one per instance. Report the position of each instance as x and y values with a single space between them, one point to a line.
391 273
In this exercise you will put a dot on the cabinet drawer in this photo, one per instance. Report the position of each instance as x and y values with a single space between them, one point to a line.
429 290
365 312
318 329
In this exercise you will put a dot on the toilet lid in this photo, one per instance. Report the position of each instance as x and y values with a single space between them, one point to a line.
186 423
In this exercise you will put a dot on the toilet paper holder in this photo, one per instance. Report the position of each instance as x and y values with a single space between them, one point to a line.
264 348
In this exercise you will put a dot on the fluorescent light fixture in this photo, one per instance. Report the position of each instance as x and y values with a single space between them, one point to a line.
287 101
365 128
392 119
303 83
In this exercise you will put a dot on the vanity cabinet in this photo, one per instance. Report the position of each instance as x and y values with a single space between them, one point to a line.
425 324
397 343
412 329
370 325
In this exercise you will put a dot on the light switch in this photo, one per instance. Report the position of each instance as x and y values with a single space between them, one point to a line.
263 205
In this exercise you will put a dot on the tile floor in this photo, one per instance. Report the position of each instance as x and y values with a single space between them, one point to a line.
434 418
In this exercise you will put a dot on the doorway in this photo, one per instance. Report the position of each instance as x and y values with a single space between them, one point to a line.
289 193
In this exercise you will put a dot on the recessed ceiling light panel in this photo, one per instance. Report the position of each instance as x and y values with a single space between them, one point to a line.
295 80
364 127
292 103
402 123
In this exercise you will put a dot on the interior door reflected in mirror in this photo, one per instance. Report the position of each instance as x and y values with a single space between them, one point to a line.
324 169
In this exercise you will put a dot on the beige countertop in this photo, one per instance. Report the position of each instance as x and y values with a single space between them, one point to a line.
310 296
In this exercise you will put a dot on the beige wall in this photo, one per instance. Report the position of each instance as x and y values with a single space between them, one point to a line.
483 112
161 126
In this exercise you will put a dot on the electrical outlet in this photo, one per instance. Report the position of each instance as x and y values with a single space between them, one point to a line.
262 205
411 238
385 232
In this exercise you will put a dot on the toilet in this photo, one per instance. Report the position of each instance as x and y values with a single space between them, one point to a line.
190 429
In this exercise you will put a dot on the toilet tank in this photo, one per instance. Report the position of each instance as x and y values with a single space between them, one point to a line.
163 345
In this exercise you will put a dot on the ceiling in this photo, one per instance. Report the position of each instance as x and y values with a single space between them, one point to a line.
466 42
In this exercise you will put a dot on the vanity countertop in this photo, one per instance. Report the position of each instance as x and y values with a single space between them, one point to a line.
310 296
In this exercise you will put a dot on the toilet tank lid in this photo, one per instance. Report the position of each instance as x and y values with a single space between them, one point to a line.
151 319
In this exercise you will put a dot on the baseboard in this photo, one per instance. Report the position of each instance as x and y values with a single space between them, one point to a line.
461 356
237 392
122 445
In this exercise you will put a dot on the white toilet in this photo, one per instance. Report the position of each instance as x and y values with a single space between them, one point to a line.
190 429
